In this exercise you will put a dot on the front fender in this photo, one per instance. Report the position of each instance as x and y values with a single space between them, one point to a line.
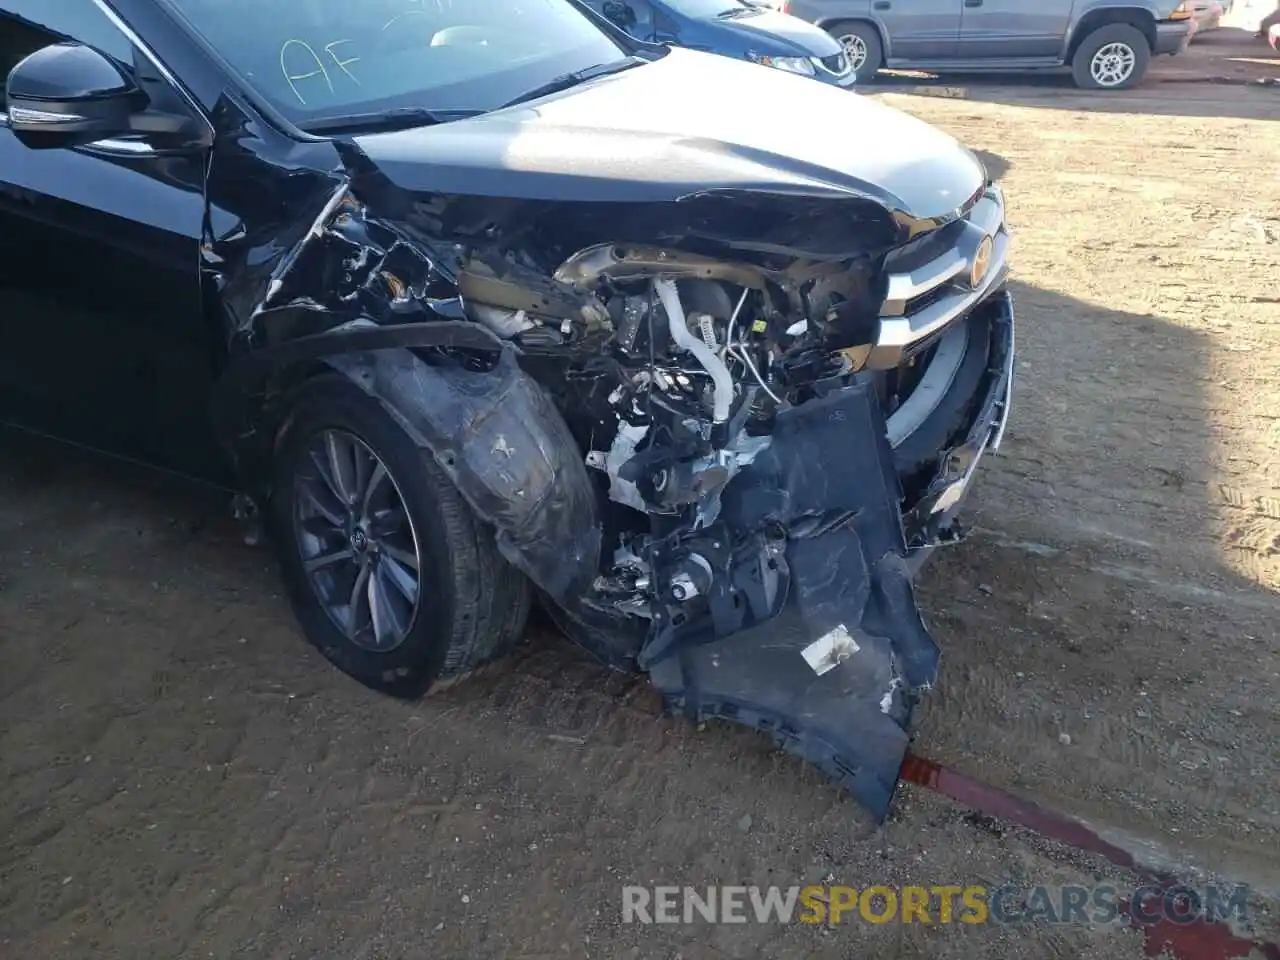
501 440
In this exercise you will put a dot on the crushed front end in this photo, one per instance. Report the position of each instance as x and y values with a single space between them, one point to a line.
779 445
718 432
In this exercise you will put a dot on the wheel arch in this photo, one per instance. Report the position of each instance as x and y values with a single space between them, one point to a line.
499 437
829 23
495 433
1137 17
250 397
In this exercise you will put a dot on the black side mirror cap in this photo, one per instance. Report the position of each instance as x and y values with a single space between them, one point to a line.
67 95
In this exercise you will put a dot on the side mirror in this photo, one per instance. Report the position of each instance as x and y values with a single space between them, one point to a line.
67 95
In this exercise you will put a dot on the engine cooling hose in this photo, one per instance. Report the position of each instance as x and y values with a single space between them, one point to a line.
685 339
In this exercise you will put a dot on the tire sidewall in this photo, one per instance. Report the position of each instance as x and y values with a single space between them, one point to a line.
1124 33
331 402
870 37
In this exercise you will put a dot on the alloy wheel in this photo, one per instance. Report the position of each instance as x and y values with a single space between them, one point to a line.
855 49
1113 64
356 540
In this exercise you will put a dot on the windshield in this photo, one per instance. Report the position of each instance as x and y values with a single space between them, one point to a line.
707 9
317 59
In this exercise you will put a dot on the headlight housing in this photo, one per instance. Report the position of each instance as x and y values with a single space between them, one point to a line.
800 65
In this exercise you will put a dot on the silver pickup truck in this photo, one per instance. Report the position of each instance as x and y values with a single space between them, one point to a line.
1106 44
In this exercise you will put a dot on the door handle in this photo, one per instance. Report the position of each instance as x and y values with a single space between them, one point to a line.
973 3
882 4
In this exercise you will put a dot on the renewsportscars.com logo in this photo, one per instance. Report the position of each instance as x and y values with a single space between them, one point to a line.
973 904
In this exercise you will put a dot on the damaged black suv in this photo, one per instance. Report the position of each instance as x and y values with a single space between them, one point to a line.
481 301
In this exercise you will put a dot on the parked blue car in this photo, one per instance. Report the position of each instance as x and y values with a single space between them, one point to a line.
736 29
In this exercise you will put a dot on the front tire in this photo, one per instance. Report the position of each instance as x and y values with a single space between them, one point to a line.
389 573
861 42
1113 57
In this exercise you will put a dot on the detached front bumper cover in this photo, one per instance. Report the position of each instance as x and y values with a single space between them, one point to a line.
930 521
834 677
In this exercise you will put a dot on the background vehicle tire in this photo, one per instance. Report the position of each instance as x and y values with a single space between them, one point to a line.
1113 57
861 42
467 605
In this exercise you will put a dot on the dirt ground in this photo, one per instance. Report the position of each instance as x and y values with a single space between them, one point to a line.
183 777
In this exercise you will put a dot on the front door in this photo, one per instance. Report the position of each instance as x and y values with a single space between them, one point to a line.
101 323
919 29
1014 28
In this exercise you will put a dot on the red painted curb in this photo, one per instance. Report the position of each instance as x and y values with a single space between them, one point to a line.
1198 940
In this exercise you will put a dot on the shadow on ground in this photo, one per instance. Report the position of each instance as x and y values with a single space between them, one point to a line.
997 167
1099 654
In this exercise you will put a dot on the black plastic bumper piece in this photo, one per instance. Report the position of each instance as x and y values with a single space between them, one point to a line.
827 479
834 721
932 521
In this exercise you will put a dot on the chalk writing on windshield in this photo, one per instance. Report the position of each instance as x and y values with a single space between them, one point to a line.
342 64
300 62
415 12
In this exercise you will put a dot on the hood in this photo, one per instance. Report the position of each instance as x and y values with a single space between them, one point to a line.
690 123
773 32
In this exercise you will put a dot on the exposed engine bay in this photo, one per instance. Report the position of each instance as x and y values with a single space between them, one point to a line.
677 379
672 374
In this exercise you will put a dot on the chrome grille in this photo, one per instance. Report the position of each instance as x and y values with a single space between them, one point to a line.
927 282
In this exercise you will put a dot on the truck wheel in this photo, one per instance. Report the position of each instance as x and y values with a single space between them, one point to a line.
861 42
1113 57
390 575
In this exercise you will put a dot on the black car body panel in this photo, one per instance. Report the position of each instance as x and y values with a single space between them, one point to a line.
662 133
513 290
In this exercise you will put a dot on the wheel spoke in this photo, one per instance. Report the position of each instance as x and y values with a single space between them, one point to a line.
341 456
320 561
320 461
315 499
363 568
388 627
403 557
396 573
363 463
358 612
321 529
375 481
387 523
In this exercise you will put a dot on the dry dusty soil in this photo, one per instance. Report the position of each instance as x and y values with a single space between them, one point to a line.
180 776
